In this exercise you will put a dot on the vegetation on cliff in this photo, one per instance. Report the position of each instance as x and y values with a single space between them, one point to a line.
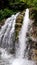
8 7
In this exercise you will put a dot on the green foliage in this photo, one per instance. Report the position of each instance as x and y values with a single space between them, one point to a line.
6 3
32 3
1 14
6 13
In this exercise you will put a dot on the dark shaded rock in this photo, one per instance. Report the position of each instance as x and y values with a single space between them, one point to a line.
2 22
33 13
0 26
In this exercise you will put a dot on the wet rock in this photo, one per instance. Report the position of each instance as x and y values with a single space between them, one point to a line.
34 55
2 22
0 26
19 22
33 33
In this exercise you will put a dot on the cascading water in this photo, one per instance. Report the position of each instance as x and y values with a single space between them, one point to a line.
7 38
20 60
22 35
6 33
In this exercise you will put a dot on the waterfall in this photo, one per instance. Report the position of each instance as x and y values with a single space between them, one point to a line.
20 60
7 38
22 35
6 33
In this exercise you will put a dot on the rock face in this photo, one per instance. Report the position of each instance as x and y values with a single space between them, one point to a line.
19 22
2 22
33 34
33 37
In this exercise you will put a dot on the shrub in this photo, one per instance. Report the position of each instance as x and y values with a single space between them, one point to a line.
6 13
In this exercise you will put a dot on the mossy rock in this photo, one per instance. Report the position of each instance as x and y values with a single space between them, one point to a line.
34 55
33 13
33 16
19 22
33 33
